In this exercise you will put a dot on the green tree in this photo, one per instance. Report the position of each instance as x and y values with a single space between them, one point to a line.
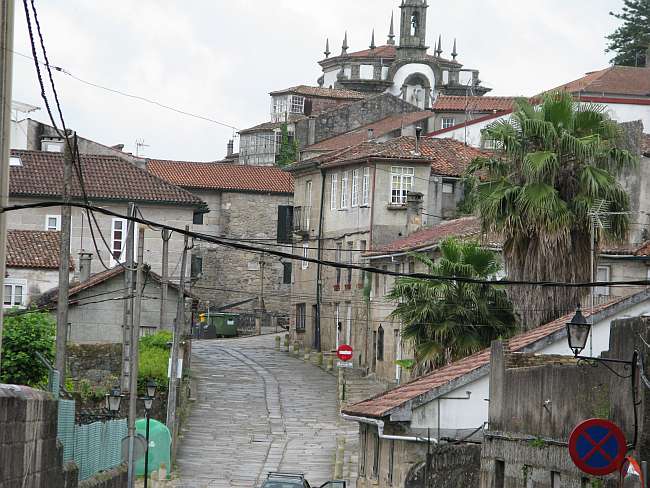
289 149
630 42
23 335
446 320
554 164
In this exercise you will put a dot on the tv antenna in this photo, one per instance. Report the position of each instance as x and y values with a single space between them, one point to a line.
139 146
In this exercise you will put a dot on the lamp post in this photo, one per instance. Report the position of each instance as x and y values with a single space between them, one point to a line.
148 402
578 330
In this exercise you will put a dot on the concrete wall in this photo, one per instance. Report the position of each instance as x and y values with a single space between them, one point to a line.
34 281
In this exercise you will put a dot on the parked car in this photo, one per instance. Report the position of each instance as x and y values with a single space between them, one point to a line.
295 480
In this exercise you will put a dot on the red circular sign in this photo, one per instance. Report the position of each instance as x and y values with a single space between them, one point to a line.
344 352
597 447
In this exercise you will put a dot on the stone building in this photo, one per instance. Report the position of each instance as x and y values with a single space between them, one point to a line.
243 203
451 404
405 70
351 201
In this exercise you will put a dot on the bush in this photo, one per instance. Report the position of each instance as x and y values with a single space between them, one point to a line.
154 359
24 335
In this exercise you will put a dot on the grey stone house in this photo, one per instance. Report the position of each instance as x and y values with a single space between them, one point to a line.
352 201
244 203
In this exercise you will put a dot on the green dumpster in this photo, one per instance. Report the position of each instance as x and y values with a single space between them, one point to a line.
160 443
224 324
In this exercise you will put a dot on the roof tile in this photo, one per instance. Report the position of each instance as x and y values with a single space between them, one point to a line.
448 103
34 249
615 80
317 91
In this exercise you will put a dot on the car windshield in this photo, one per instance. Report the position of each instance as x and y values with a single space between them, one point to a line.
283 484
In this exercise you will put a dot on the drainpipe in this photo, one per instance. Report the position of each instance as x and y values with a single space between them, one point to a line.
319 284
369 247
380 430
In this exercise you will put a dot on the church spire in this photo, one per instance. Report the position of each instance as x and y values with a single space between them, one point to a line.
344 47
454 54
439 48
372 40
391 32
327 48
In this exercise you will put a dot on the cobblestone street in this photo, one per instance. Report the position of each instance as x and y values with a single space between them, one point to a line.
260 410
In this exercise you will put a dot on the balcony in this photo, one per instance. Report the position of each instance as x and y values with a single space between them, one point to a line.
302 220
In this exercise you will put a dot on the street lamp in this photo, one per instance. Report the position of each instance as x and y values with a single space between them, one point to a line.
148 402
578 332
113 400
151 388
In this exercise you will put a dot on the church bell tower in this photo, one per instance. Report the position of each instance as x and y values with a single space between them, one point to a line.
413 29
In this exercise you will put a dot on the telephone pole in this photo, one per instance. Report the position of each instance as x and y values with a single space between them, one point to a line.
133 372
64 259
6 65
179 324
164 275
127 321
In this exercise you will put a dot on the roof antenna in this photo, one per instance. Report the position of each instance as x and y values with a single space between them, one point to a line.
139 144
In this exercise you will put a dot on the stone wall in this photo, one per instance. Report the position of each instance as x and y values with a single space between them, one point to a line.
115 478
450 466
94 362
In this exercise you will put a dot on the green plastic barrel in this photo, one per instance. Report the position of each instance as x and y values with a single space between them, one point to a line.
160 442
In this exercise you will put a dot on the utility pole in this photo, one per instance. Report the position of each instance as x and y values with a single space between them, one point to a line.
6 66
261 307
127 321
133 360
165 275
64 259
178 330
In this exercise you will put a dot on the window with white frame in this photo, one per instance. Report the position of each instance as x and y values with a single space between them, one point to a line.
13 295
365 187
15 161
355 188
401 182
119 230
344 189
305 254
448 122
297 104
603 274
53 222
448 187
333 192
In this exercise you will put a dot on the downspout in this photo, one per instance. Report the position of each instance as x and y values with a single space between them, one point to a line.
319 284
380 430
370 277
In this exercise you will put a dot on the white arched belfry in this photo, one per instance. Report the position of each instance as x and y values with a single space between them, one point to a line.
415 83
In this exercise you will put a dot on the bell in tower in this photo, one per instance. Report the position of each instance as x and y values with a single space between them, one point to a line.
413 29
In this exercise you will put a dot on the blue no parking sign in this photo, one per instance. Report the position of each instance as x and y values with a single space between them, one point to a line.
597 447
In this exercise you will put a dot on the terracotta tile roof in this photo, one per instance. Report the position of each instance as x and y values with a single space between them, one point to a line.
615 80
387 52
34 249
448 103
643 250
105 178
382 404
223 176
447 157
317 91
462 227
380 128
645 145
264 126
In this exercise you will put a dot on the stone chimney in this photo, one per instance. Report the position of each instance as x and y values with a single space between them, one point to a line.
85 261
231 148
371 134
413 212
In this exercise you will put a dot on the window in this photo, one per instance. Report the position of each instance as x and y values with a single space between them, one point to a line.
365 187
15 161
366 71
380 343
286 273
401 182
397 353
13 295
337 258
375 457
348 323
196 266
297 104
355 188
363 445
52 146
344 189
335 183
53 222
499 473
301 316
385 268
448 188
362 251
307 206
118 238
350 250
305 254
448 122
411 266
391 461
556 480
602 275
197 218
337 318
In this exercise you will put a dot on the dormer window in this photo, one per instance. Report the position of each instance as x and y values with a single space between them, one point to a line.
15 161
52 145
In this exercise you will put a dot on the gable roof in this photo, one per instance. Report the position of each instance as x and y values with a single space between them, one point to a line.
615 80
426 387
317 91
223 176
37 249
388 52
447 157
448 103
105 178
379 128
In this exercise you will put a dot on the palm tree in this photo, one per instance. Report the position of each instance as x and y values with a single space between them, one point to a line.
446 319
553 165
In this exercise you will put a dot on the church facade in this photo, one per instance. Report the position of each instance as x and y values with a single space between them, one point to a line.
405 69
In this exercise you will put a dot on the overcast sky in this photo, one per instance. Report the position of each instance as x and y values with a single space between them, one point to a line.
221 58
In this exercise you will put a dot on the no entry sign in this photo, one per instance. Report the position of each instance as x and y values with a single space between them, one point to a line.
344 352
597 447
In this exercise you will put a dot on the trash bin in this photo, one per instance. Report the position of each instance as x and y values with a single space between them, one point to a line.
160 442
224 324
